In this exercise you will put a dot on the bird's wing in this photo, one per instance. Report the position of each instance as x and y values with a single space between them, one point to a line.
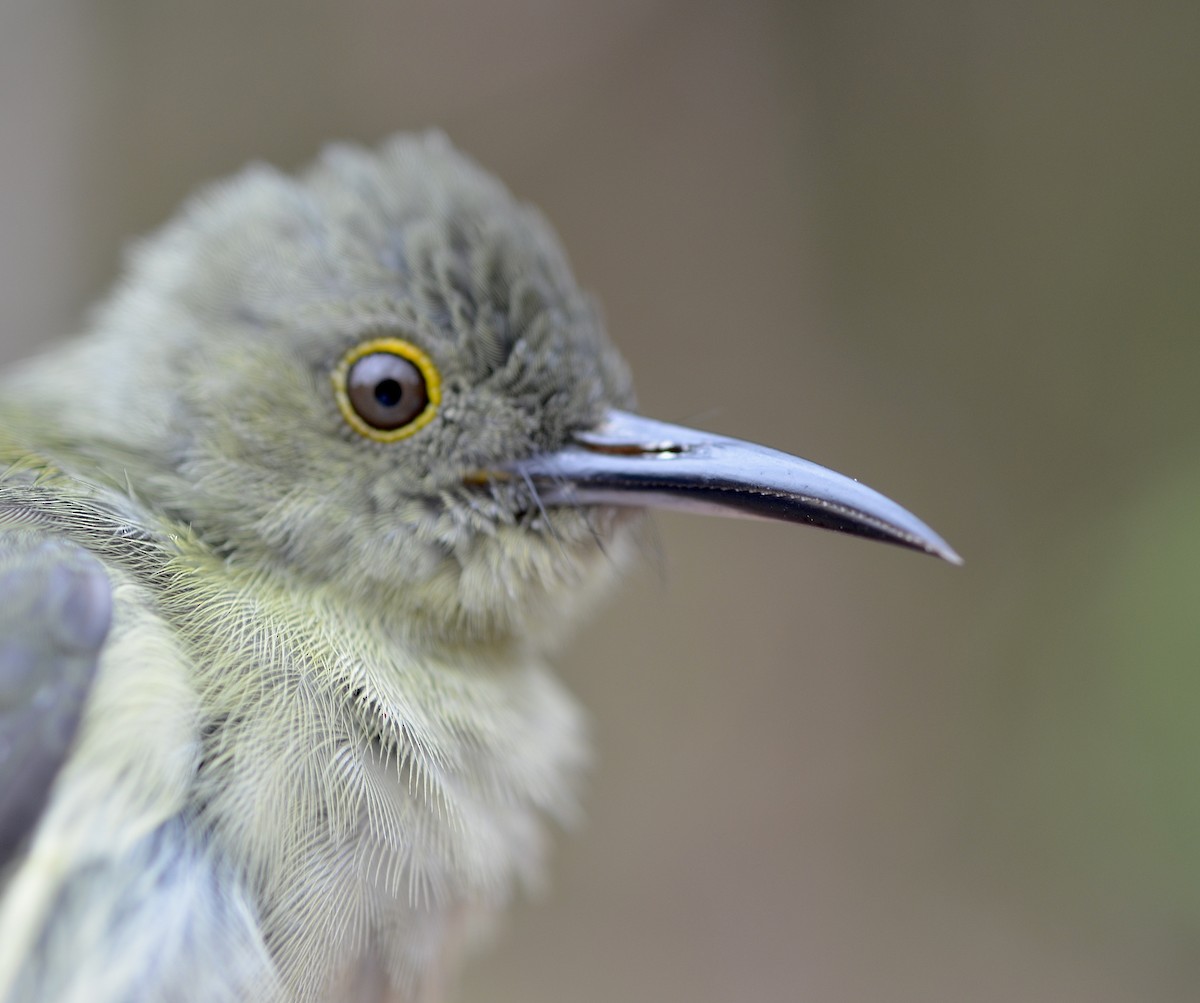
55 610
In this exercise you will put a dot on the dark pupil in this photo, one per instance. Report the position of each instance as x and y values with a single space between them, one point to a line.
388 392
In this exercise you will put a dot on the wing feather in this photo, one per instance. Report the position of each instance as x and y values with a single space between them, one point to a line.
55 611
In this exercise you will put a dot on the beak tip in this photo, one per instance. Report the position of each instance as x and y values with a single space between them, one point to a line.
935 546
948 554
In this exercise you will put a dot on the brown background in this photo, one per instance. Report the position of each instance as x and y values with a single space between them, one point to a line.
948 247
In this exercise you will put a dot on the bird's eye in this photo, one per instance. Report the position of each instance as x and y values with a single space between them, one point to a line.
387 389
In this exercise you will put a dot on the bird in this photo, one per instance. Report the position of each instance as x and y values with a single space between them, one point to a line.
288 536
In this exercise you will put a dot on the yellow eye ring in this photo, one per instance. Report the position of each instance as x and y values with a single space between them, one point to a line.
387 389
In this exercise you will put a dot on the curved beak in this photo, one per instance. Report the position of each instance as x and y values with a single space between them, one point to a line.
628 460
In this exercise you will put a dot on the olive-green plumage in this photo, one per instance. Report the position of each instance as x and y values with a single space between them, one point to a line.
284 541
321 736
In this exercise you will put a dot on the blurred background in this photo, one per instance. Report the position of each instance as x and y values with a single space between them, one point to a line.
950 248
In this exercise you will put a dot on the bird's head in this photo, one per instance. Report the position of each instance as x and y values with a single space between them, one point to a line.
382 378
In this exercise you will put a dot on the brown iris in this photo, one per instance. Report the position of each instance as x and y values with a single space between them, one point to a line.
387 389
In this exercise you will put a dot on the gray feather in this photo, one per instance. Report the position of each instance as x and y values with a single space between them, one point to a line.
55 609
